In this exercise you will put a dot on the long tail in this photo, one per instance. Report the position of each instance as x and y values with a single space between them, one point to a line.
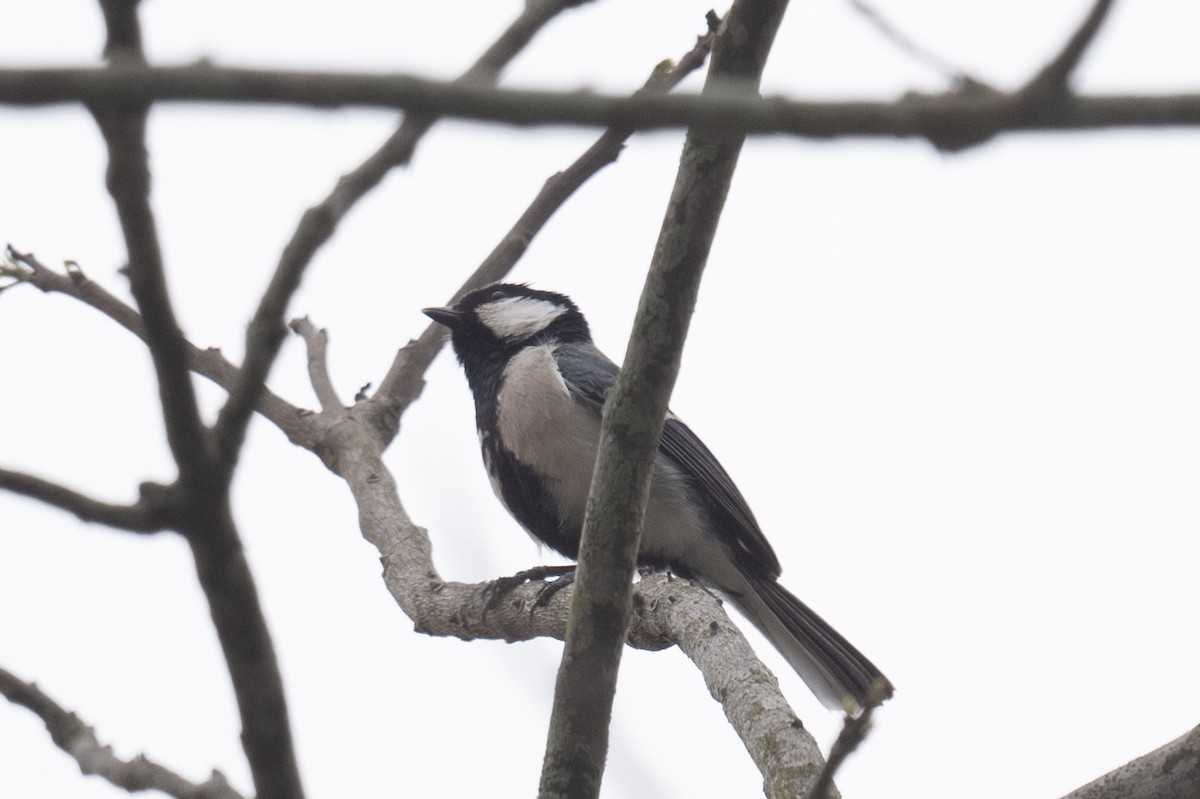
840 675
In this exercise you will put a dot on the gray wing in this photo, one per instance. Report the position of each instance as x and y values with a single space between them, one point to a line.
589 375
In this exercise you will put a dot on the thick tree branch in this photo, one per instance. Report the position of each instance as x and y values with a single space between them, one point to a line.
577 742
265 333
939 119
1172 770
143 517
78 740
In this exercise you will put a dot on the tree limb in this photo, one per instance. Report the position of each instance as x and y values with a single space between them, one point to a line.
79 741
935 118
1172 770
141 517
123 126
577 741
890 32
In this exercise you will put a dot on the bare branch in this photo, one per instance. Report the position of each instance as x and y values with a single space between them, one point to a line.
782 749
265 333
403 382
318 366
123 126
78 740
915 115
577 743
207 362
854 732
143 517
1055 76
1172 770
922 54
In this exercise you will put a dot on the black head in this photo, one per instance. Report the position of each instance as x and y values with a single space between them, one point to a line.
491 323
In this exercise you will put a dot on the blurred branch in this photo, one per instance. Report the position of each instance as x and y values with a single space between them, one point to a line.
1055 76
203 516
265 333
939 118
142 517
123 125
922 54
854 732
79 741
404 379
1172 770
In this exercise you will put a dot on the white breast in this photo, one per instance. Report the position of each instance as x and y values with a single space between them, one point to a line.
545 429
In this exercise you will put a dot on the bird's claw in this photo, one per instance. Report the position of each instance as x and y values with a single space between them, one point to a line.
564 576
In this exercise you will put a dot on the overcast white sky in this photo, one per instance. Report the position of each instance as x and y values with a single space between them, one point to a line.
960 393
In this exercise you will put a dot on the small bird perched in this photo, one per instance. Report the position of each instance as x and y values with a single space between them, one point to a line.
539 386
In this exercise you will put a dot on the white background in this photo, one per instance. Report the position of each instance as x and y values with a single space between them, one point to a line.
959 391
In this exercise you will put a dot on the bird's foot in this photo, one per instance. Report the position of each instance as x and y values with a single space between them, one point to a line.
564 576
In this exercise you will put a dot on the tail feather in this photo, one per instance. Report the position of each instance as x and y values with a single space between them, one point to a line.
841 676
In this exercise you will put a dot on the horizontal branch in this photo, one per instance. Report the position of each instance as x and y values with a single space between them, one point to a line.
146 516
950 121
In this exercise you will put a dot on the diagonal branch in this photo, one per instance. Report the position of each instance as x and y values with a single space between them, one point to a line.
143 517
265 334
1054 77
1172 770
634 413
908 45
78 740
403 382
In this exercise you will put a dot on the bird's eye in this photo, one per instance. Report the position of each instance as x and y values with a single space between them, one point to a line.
497 295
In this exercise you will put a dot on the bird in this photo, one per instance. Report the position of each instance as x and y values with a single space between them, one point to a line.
539 385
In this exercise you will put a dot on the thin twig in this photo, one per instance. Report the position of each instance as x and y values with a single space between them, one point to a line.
952 73
78 740
315 340
854 731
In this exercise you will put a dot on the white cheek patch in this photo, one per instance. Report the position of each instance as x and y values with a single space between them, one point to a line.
516 318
